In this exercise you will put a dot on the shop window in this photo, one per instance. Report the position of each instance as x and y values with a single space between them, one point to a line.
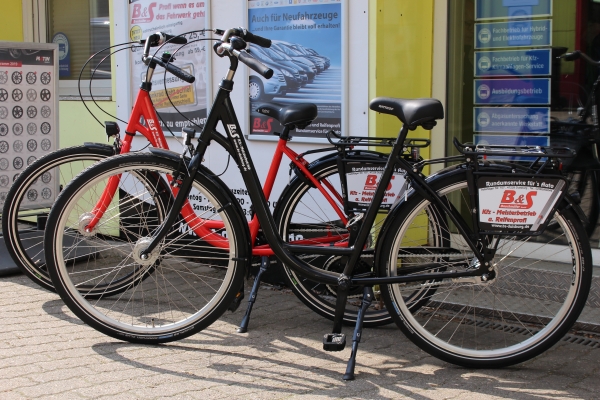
504 80
81 28
506 86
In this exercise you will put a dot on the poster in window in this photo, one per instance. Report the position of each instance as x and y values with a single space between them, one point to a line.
28 117
178 103
306 58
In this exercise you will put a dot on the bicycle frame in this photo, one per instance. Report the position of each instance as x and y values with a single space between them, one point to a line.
235 144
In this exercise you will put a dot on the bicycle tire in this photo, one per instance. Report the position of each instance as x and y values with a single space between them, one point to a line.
302 208
22 233
181 293
492 328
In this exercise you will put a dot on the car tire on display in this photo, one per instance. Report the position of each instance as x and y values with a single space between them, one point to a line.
45 128
31 112
17 112
17 129
31 145
17 95
46 111
31 128
45 95
257 91
3 129
31 78
17 77
31 95
45 78
3 112
46 144
17 163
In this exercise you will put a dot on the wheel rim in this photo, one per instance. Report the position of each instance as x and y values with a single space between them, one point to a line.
520 327
254 91
156 304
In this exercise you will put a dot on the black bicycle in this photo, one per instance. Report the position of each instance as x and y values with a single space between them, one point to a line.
464 261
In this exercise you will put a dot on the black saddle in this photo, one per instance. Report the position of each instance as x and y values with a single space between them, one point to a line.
413 112
299 115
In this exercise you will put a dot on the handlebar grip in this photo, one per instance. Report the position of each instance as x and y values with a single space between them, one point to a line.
175 39
255 64
252 38
178 72
576 55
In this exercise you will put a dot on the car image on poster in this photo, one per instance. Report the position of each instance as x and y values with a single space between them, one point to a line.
306 58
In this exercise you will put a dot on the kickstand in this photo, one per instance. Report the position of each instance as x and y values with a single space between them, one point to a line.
368 296
264 264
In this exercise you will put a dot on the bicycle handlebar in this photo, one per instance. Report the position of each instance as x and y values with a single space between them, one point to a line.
157 39
234 41
175 70
577 54
253 63
244 34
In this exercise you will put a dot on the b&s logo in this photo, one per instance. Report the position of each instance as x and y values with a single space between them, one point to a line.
371 182
258 125
520 202
142 15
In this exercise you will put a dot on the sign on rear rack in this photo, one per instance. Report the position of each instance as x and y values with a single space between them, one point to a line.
28 117
517 204
362 179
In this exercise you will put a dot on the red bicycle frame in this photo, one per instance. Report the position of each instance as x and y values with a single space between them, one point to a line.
143 109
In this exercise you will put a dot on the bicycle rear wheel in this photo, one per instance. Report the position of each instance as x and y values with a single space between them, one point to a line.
23 220
536 289
303 214
186 283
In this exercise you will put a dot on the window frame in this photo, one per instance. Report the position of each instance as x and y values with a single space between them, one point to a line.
35 29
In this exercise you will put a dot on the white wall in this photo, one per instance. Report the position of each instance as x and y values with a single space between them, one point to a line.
226 14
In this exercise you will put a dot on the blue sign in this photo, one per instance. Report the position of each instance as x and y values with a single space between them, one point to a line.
513 34
511 140
512 91
511 119
509 9
513 63
64 55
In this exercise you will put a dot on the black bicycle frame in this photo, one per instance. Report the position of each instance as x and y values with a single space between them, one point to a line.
235 144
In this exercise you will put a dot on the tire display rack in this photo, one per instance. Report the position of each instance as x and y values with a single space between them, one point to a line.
28 126
28 116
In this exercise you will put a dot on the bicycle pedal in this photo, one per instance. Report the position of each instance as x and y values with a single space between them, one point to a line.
334 341
236 301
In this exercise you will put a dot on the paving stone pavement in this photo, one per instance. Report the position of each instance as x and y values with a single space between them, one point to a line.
46 352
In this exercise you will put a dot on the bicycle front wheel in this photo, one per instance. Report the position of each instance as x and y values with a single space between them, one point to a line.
534 292
28 202
184 285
